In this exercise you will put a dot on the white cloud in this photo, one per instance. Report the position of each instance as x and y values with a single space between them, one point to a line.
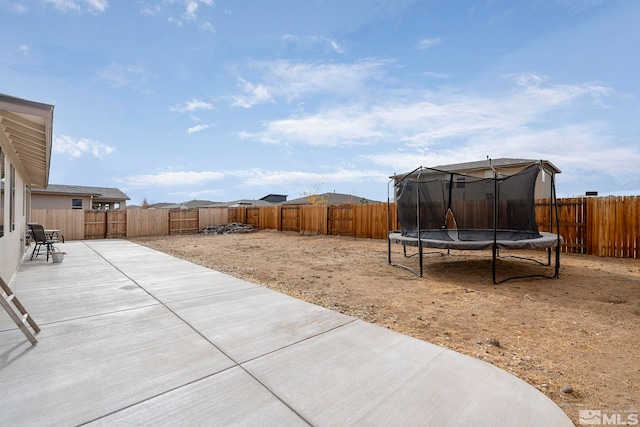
436 75
208 27
313 42
251 95
198 128
118 75
429 118
330 128
579 6
267 178
24 49
77 148
192 105
292 80
334 45
528 143
18 8
198 182
172 178
180 11
90 6
428 43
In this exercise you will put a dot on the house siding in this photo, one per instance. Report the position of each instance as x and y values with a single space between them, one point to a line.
54 201
12 243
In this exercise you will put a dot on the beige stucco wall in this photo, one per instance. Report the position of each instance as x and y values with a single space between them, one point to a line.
12 243
55 201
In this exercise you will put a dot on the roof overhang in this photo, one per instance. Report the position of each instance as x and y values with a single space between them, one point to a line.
26 130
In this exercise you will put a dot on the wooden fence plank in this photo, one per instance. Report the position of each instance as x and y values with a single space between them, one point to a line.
95 225
184 221
116 224
290 218
147 222
313 219
213 216
340 220
253 216
70 222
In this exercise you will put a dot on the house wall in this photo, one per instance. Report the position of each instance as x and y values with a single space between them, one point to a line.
543 181
55 201
12 243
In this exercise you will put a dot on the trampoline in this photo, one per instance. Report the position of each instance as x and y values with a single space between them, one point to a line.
440 209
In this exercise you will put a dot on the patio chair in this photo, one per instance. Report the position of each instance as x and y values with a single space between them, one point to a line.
40 238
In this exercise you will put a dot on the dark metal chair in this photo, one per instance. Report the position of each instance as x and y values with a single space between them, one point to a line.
40 238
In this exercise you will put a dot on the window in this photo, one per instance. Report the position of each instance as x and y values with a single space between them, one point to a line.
12 197
76 203
1 192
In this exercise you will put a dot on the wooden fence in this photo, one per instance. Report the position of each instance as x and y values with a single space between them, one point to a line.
604 226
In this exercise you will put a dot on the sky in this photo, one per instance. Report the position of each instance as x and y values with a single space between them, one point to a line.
176 100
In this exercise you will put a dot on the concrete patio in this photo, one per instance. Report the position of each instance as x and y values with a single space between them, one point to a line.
132 336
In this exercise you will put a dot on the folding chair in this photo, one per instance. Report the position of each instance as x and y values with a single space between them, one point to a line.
40 238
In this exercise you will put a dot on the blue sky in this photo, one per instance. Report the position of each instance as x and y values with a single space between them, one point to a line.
174 100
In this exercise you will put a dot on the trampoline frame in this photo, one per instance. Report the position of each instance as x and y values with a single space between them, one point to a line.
549 240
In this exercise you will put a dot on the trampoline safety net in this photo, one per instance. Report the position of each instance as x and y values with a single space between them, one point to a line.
434 204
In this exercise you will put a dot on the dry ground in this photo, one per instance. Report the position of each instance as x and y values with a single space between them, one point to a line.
581 329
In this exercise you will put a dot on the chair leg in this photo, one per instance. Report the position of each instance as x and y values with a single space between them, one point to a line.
36 251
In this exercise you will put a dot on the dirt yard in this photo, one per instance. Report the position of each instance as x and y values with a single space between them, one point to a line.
581 330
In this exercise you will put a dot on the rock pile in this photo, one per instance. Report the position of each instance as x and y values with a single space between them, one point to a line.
233 228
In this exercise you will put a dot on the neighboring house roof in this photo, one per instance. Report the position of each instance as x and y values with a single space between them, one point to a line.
196 203
28 126
329 199
275 198
98 193
192 204
241 202
487 164
164 205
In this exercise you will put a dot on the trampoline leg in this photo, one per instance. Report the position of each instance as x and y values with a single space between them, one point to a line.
493 263
420 250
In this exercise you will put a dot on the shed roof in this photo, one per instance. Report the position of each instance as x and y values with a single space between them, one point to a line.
487 164
26 129
501 162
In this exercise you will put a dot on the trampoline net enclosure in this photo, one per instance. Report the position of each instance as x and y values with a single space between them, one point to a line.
452 210
440 205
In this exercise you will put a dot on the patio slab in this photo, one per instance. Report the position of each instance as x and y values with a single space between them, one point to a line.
253 322
229 398
361 374
163 341
87 368
195 285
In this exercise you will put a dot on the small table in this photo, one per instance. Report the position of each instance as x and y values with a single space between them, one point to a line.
54 234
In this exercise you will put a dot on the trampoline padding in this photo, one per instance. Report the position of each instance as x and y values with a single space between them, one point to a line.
450 239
